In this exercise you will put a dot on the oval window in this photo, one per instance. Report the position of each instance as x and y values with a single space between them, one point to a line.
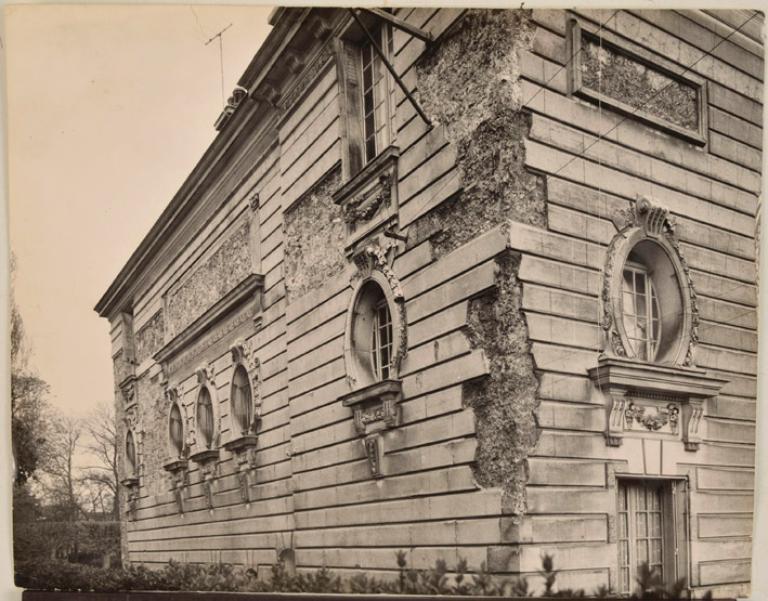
205 416
242 400
176 430
130 451
372 339
652 308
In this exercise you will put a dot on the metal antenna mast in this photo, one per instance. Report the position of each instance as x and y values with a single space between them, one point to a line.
221 57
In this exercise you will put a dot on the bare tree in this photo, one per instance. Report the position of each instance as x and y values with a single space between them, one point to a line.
102 477
28 404
62 475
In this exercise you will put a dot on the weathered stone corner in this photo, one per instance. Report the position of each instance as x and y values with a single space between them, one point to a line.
505 401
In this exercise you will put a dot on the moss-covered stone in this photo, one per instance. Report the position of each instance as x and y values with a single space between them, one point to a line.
505 402
480 57
314 239
226 267
154 439
149 339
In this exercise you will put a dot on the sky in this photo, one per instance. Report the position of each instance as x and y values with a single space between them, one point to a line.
108 110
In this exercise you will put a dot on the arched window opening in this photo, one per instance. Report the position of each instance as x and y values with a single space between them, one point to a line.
242 400
205 416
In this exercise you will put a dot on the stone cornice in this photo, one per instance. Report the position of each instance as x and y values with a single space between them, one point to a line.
251 119
374 391
215 165
241 293
633 375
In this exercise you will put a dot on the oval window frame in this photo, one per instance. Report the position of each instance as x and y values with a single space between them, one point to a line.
247 427
360 372
201 439
176 453
679 349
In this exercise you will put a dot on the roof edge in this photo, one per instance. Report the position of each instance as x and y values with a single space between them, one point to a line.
281 19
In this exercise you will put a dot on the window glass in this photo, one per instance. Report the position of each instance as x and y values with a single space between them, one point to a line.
382 340
242 399
641 530
130 451
176 429
641 312
205 416
372 337
376 96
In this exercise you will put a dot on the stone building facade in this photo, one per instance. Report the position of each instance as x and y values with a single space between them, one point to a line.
467 284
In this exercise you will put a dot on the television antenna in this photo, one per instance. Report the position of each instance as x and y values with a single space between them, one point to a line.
221 57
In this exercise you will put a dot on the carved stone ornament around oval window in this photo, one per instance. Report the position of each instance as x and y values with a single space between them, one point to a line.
644 225
243 446
374 264
660 394
374 397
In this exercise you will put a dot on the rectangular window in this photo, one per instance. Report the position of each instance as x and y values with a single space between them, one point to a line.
624 77
376 94
640 312
382 340
651 531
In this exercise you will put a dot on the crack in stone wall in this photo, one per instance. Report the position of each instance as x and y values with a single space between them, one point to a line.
314 239
504 402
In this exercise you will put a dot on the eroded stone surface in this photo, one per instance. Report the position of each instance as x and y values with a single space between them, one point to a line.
480 57
505 402
616 75
154 442
149 339
314 239
229 265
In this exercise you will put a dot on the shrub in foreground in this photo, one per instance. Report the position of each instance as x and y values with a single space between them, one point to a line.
438 580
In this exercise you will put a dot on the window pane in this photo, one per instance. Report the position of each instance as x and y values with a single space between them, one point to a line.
382 339
176 429
641 525
640 283
642 551
370 149
640 308
655 524
654 499
242 400
205 416
655 551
